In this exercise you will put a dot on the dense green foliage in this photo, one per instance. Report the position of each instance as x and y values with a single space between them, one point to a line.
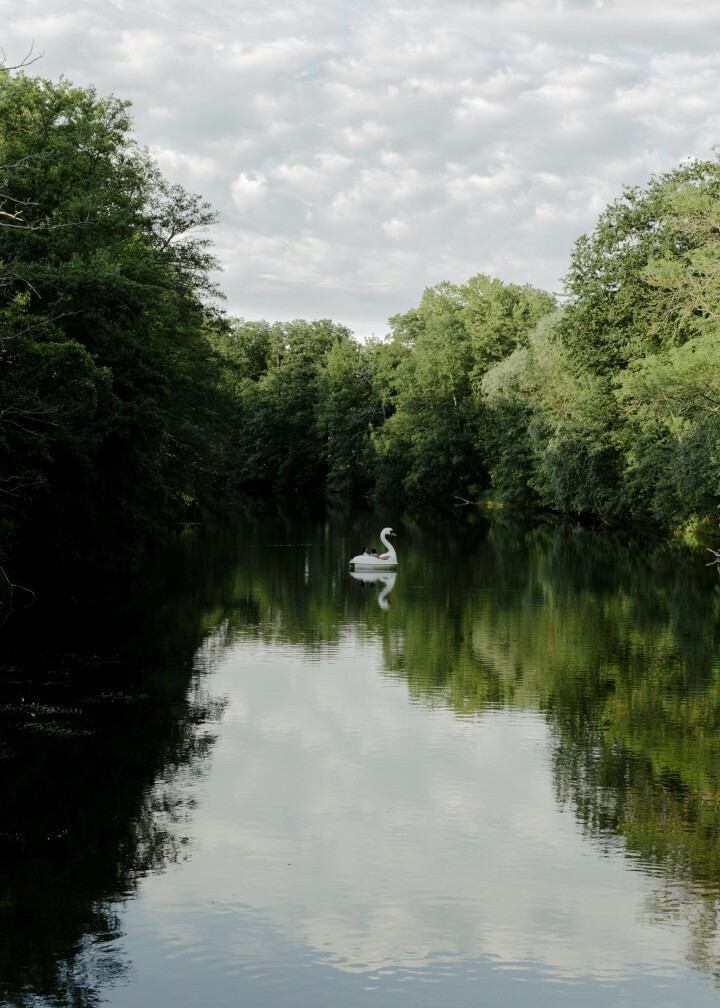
106 380
612 409
604 406
315 410
301 403
432 447
128 400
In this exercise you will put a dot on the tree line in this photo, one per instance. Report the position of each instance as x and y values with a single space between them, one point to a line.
130 400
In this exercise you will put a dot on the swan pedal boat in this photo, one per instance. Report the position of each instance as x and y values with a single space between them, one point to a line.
386 561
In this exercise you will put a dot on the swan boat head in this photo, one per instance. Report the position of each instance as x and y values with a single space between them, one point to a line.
373 561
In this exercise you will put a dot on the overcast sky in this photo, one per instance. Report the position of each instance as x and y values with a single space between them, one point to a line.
360 152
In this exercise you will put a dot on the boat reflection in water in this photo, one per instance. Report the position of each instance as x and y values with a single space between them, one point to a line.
386 579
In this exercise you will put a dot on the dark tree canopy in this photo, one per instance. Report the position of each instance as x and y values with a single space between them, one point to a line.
103 351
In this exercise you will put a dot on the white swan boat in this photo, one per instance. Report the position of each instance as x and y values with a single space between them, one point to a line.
374 561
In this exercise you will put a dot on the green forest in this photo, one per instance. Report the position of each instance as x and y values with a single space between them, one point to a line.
129 400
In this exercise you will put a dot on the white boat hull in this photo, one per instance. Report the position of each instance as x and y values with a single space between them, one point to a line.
372 565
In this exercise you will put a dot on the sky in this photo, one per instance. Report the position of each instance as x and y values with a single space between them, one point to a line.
357 153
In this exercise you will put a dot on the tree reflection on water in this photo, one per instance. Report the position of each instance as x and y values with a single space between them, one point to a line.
102 726
613 639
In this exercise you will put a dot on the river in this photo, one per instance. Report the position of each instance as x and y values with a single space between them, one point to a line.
250 778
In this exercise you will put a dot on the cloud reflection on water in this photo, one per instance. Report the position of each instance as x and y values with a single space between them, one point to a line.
385 836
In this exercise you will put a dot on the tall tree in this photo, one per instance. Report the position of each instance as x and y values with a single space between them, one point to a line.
669 407
434 445
110 271
550 429
647 277
348 408
426 448
278 374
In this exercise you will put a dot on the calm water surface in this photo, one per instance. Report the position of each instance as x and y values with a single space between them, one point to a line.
256 780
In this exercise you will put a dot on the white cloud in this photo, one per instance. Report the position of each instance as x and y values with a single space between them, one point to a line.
395 228
247 190
419 139
477 109
276 56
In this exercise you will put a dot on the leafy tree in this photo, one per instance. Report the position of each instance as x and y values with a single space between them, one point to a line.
348 407
670 433
611 410
647 277
499 318
388 361
511 394
434 445
551 428
52 398
276 373
426 446
110 274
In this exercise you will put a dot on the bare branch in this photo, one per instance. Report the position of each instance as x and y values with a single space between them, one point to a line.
13 589
36 325
15 484
27 60
39 414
